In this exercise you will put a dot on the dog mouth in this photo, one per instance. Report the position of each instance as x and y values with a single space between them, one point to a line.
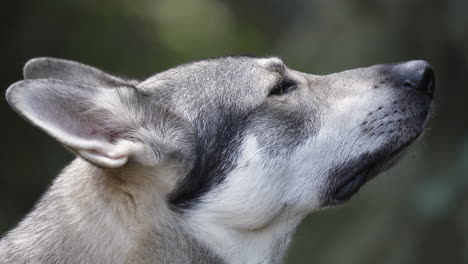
346 187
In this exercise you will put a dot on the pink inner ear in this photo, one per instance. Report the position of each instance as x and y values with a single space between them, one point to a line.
95 130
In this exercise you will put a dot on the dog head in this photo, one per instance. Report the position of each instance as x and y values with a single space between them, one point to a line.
250 137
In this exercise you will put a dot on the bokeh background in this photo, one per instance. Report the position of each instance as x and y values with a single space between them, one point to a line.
415 213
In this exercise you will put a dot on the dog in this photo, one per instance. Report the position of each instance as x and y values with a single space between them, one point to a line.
214 161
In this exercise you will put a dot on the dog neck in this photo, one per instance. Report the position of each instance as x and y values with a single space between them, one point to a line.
93 215
266 244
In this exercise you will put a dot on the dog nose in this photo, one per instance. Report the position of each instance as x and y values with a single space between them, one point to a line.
416 75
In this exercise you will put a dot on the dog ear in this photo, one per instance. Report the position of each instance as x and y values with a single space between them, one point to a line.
70 71
107 127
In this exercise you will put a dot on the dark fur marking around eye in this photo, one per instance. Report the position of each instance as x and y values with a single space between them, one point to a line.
286 85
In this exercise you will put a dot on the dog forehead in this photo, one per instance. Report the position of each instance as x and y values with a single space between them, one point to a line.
224 69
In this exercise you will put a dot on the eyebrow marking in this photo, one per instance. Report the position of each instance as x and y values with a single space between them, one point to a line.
272 64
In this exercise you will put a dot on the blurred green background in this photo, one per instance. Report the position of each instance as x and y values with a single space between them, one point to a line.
415 213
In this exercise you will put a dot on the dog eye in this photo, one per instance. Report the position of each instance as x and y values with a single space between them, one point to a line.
283 87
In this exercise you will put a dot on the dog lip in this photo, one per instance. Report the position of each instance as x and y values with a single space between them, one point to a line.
346 188
351 185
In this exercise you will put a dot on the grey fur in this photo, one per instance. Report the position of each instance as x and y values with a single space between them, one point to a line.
70 71
207 162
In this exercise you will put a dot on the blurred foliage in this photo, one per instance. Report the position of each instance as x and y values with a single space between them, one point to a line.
415 213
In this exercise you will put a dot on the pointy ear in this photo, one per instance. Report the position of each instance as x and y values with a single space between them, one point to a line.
72 72
107 127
